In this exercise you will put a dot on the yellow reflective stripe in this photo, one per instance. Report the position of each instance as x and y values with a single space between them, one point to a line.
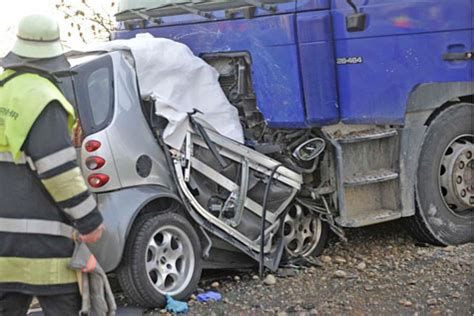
51 271
65 185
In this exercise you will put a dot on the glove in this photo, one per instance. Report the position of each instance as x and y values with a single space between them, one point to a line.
175 307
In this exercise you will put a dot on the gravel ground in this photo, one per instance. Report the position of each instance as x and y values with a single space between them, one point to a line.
380 271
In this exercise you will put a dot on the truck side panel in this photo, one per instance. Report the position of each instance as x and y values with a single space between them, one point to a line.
318 67
304 5
272 44
402 47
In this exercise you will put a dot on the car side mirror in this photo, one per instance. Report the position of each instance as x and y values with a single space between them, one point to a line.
310 149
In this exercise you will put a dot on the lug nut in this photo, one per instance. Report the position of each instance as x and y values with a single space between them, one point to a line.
463 193
459 180
469 155
461 165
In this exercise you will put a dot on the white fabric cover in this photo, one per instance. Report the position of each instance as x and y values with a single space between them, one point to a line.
179 81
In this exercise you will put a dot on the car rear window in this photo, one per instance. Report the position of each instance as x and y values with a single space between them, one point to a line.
98 86
94 90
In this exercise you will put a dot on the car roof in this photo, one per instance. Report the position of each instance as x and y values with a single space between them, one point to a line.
77 58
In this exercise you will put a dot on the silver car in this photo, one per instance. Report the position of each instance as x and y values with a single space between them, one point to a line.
170 213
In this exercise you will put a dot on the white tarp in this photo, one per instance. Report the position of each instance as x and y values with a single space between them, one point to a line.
179 81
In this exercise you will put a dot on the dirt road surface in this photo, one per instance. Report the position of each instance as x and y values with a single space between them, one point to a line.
380 271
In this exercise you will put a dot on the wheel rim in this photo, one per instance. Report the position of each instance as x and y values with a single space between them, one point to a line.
170 260
302 231
456 175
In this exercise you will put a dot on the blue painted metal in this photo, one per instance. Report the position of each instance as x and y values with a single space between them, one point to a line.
401 48
304 5
271 42
318 69
293 54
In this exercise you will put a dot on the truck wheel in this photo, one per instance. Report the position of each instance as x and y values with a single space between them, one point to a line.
162 256
304 233
445 186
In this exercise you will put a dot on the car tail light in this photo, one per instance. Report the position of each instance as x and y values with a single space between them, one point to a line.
98 180
95 162
92 145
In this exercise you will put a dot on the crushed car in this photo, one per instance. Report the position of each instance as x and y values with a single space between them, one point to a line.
163 150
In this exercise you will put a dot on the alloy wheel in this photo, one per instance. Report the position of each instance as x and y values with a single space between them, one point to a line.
170 260
301 232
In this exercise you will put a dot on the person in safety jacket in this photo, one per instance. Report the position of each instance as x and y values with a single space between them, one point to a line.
44 199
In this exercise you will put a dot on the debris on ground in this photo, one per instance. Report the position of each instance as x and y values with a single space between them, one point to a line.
209 296
326 259
361 266
406 302
286 273
395 280
270 280
176 307
340 260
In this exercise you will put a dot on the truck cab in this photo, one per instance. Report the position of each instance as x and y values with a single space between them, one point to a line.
372 76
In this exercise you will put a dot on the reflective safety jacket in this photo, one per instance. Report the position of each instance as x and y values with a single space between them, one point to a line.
43 196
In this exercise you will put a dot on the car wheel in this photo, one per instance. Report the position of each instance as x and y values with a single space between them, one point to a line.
162 256
304 233
445 185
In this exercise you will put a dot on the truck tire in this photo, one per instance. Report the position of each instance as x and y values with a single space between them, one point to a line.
162 256
445 184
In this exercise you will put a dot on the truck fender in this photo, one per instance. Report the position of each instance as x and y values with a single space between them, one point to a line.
422 102
429 96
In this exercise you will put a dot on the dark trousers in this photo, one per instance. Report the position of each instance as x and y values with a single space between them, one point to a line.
17 304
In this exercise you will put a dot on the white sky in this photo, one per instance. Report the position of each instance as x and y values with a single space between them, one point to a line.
12 10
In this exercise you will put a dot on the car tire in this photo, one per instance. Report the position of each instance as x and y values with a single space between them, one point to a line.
162 256
442 216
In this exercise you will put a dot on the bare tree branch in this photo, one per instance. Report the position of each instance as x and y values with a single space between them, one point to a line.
89 22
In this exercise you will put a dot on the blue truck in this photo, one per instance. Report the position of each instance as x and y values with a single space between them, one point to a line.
355 112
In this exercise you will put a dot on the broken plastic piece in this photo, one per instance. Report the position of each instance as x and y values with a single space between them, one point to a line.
176 307
209 296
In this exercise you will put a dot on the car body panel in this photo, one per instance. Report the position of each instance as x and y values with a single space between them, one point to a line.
127 137
120 209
